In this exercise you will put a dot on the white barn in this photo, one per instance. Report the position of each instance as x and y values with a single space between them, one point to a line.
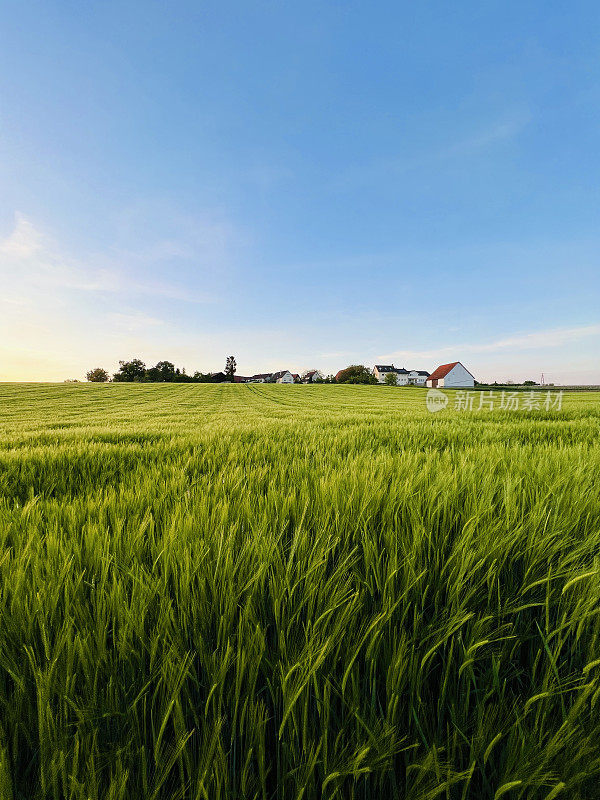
451 376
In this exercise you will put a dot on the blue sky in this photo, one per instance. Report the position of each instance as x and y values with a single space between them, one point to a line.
302 184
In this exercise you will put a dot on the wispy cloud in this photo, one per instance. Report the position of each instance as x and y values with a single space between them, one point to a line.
61 312
134 321
23 242
547 339
340 354
550 338
28 256
500 130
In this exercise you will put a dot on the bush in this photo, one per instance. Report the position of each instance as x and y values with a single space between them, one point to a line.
356 373
97 375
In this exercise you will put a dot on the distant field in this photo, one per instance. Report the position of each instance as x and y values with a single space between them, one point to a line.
217 591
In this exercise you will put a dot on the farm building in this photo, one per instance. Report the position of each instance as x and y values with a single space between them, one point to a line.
451 376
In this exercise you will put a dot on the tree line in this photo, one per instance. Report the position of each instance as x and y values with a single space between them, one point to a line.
136 371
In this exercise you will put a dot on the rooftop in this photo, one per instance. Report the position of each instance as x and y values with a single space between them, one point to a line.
442 370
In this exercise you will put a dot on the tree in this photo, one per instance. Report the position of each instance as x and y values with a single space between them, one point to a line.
164 371
97 375
230 368
134 370
356 373
529 383
391 379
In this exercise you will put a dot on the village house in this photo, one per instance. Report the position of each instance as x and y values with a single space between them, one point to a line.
451 376
381 370
404 377
417 377
312 376
283 376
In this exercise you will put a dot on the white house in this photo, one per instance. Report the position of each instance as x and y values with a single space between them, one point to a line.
284 376
404 377
451 376
312 376
263 377
417 377
381 370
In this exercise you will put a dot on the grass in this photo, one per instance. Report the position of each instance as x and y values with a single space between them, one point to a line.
296 592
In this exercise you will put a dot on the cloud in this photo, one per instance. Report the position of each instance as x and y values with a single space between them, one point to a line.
28 257
134 322
501 130
59 312
24 241
535 340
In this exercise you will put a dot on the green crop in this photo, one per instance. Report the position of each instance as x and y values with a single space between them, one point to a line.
232 591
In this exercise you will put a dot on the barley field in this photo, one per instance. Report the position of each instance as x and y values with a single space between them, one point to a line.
221 592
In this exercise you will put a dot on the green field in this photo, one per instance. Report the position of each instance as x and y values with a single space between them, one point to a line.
219 591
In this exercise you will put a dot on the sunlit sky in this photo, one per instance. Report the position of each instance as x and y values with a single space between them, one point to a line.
304 185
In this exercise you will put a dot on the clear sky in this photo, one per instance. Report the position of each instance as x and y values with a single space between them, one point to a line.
303 184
